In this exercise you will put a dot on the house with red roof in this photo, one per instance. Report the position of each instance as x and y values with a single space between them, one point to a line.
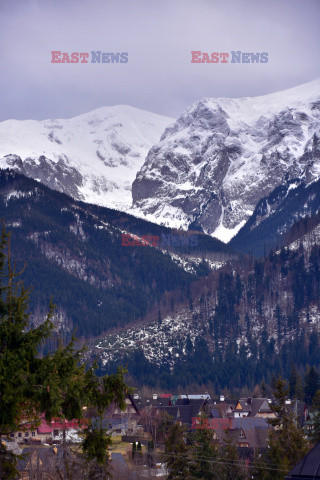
45 432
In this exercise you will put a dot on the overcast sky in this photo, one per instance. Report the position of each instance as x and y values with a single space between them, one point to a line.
158 36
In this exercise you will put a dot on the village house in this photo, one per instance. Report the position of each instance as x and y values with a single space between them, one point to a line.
223 408
123 422
47 432
253 407
53 462
249 433
41 463
184 409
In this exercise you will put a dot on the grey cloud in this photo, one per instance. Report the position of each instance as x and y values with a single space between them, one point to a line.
159 37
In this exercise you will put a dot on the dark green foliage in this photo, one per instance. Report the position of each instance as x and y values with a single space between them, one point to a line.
150 454
287 444
176 453
311 384
230 466
56 384
293 381
204 452
259 470
95 444
8 463
134 450
74 254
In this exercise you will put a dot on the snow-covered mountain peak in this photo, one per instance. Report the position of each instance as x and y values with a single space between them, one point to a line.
212 166
93 157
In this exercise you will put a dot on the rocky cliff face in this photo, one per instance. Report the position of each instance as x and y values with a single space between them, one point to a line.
214 164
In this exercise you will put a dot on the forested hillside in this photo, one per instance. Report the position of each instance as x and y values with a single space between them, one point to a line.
74 255
247 322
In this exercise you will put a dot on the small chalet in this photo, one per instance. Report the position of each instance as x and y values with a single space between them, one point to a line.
123 422
185 409
253 407
223 408
251 433
52 463
41 463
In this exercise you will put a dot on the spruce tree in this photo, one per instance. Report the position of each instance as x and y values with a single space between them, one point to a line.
134 450
299 388
293 381
259 470
204 453
287 443
57 384
230 468
177 453
150 454
139 449
311 384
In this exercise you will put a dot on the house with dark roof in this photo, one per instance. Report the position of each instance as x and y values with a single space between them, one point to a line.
52 463
123 422
253 432
308 468
225 408
253 407
40 462
185 409
246 432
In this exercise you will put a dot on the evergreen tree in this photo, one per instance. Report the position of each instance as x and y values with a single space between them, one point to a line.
238 288
204 452
150 454
293 381
263 388
134 450
8 462
177 454
230 467
287 444
299 388
139 452
56 384
311 384
259 465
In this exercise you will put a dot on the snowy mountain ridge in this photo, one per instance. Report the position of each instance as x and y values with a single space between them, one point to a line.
213 165
93 157
207 171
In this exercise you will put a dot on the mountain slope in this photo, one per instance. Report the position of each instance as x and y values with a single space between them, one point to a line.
74 254
92 157
247 322
270 224
214 164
